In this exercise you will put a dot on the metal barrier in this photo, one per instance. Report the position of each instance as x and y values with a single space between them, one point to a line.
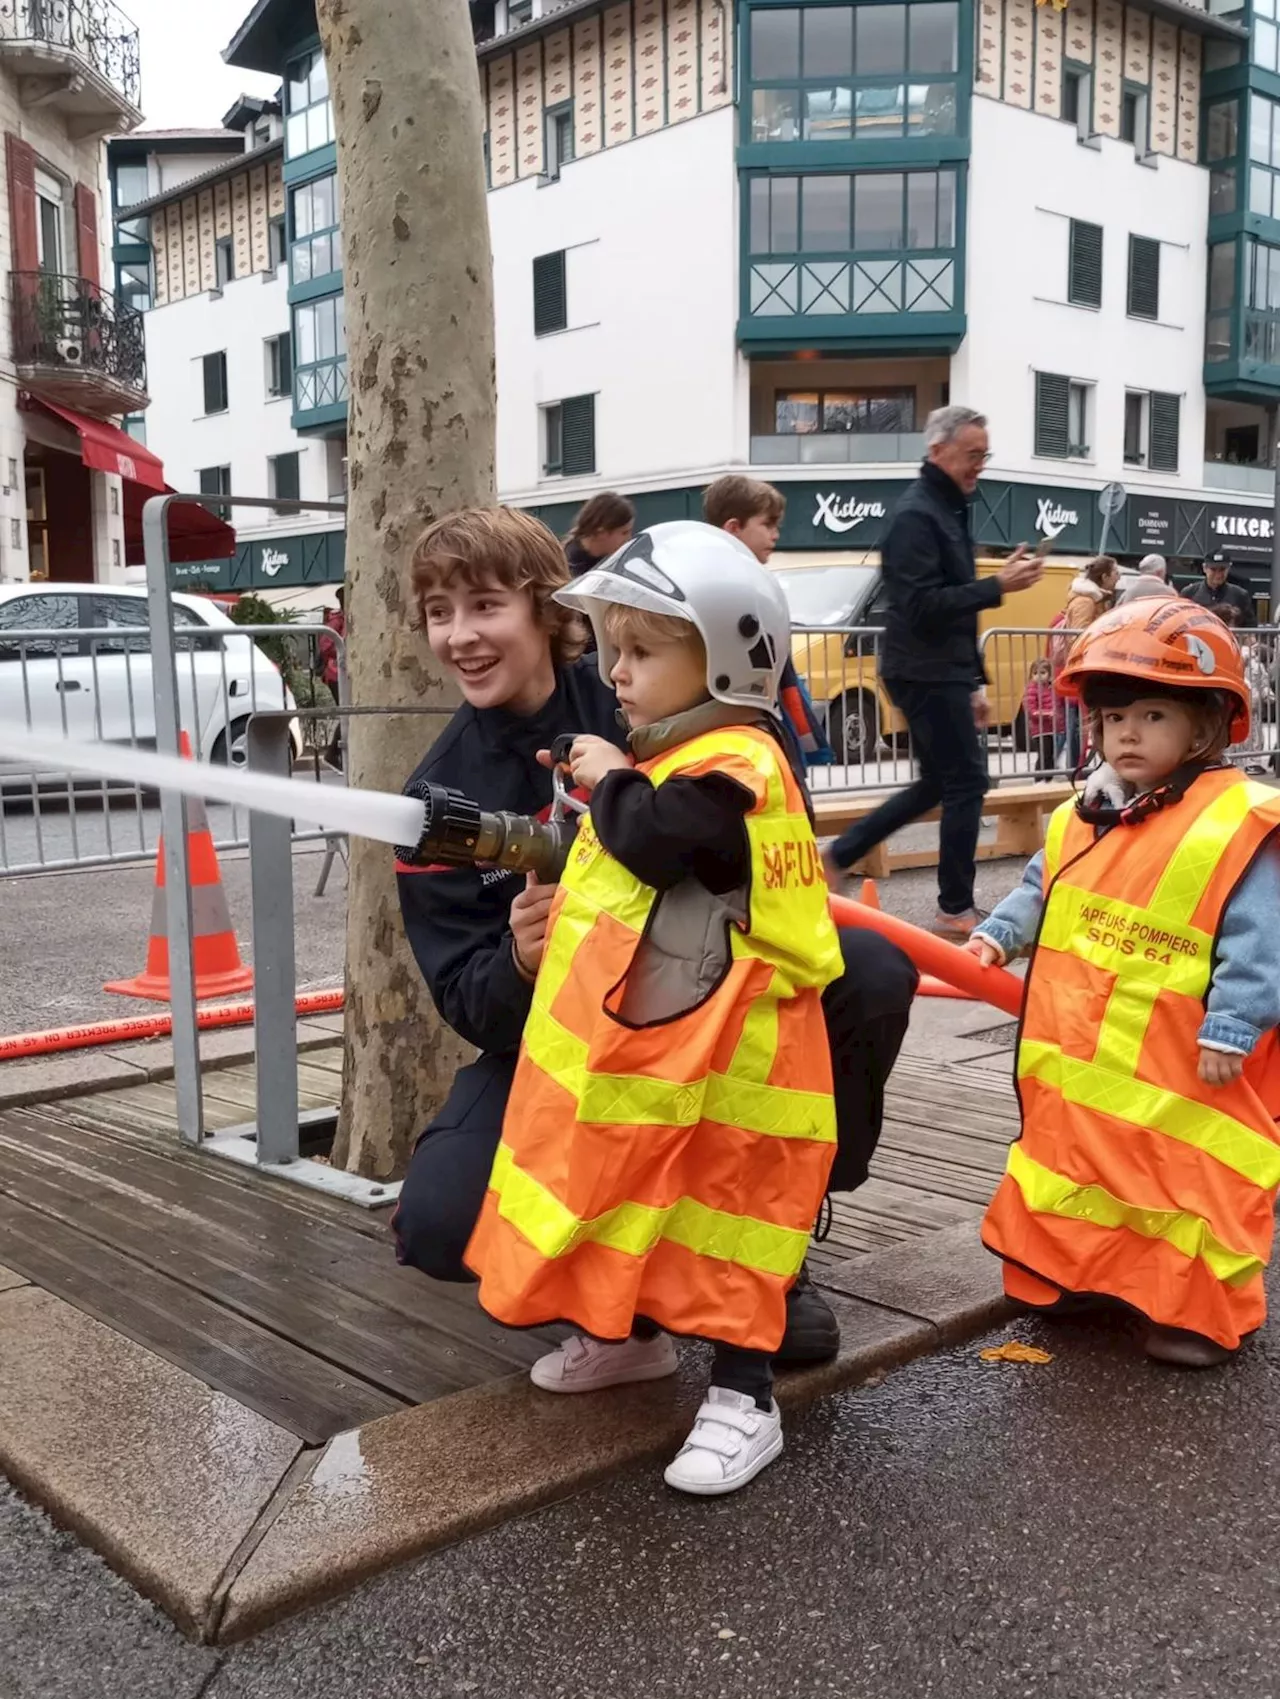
97 682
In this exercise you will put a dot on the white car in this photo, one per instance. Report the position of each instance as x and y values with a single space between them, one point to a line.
100 687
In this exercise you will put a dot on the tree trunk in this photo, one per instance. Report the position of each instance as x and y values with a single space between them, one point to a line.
419 293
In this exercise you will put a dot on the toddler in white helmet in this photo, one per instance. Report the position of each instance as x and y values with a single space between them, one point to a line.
670 1129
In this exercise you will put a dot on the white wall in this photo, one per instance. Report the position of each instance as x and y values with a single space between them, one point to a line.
1029 176
652 283
239 320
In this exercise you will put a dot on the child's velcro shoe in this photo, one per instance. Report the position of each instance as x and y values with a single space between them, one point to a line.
583 1364
732 1440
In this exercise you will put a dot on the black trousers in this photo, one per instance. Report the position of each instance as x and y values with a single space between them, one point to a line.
866 1009
953 772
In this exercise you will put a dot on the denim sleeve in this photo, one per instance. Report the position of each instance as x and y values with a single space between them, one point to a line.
1244 994
1012 924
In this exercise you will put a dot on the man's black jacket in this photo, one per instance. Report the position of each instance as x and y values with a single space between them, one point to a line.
1234 595
934 593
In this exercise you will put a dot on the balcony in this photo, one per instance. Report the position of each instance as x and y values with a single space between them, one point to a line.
1249 480
320 394
838 448
77 345
78 57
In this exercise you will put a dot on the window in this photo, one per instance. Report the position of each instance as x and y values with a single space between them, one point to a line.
133 284
550 303
1084 264
279 353
1221 299
1266 44
569 437
317 241
558 124
309 124
262 133
282 480
1077 98
1062 417
319 354
1241 445
1133 119
807 413
49 222
275 244
1262 304
1151 430
225 259
870 212
215 383
135 426
1264 155
1221 128
840 73
1144 278
519 13
131 184
216 481
40 613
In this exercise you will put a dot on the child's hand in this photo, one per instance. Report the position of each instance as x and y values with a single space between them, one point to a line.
591 758
1220 1067
985 950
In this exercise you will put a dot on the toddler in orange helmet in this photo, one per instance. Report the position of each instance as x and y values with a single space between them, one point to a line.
1146 1173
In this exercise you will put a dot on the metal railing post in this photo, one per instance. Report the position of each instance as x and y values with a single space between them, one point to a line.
173 821
274 966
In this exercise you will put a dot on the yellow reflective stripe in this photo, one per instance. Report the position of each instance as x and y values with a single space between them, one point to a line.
635 1228
1158 950
1123 1030
1089 1086
1191 866
717 744
641 1101
1055 837
1048 1193
758 1046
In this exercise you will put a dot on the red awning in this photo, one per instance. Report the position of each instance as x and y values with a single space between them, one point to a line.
195 534
109 449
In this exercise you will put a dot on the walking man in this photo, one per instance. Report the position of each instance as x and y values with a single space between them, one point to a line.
931 666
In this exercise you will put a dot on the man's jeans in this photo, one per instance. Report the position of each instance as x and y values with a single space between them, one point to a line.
953 772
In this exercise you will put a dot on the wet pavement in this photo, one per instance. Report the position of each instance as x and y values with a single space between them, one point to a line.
1095 1526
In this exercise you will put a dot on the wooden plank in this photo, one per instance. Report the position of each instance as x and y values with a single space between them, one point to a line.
274 1220
332 1322
299 1392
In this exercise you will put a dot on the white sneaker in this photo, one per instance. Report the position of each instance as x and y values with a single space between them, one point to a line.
732 1440
583 1364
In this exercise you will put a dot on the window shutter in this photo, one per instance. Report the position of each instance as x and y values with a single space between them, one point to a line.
1052 394
285 345
215 383
578 416
1144 278
21 162
286 479
1084 285
1162 433
87 233
550 302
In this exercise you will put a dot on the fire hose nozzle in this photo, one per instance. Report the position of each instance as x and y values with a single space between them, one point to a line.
457 832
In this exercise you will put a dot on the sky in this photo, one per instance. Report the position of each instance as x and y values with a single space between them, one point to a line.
184 81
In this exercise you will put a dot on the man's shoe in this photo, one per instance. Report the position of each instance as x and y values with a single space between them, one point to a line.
731 1442
1183 1349
583 1364
813 1333
960 927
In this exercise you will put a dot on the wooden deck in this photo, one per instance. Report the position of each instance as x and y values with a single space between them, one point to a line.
292 1302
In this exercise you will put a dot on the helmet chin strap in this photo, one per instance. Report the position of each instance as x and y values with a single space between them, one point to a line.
1147 803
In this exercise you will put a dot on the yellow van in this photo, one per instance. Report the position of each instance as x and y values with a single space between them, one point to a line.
840 670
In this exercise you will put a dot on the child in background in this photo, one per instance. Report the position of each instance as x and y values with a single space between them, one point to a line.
670 1130
1045 716
1149 1158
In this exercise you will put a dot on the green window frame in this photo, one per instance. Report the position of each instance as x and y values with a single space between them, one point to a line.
557 133
1084 264
550 295
569 437
319 354
878 213
842 73
1221 154
308 108
1264 156
315 251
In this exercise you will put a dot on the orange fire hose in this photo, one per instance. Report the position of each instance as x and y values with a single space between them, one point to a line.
934 956
151 1026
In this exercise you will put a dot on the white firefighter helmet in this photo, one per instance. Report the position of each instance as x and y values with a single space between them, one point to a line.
697 572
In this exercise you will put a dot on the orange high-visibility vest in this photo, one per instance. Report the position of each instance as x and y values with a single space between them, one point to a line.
670 1170
1132 1178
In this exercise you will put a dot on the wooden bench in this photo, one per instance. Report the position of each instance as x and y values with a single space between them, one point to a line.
1020 811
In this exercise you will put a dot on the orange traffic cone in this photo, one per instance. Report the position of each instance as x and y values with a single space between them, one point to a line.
870 897
219 970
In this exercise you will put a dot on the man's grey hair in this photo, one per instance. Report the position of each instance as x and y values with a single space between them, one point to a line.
1153 566
945 424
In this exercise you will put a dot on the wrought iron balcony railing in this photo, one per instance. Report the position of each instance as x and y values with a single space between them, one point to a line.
97 32
70 323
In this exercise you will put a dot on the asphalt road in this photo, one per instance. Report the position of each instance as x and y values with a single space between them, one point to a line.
1095 1527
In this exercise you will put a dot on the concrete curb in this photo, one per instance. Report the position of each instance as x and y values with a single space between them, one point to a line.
81 1073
